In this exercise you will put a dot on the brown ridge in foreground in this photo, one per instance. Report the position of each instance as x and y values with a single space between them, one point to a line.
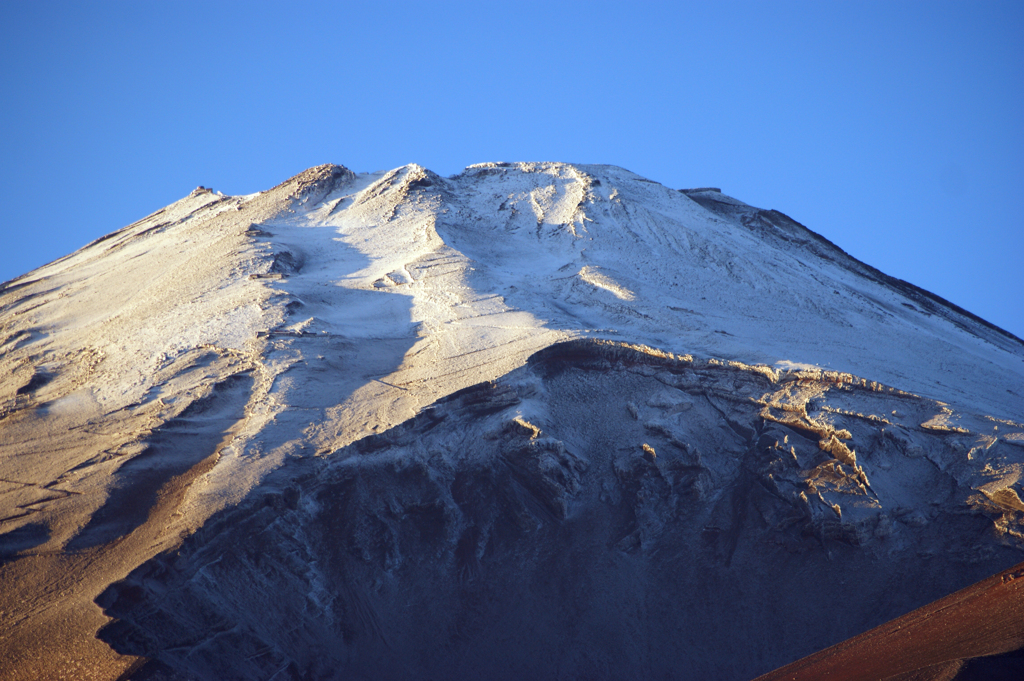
932 643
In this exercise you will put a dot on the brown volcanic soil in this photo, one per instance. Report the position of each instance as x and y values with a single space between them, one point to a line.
931 643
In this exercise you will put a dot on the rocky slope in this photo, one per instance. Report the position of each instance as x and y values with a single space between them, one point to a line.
532 419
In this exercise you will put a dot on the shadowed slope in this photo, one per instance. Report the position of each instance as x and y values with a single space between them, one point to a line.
605 512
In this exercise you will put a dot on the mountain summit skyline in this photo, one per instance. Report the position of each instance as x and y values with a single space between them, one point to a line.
537 419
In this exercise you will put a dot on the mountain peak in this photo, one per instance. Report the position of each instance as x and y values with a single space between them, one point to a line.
437 374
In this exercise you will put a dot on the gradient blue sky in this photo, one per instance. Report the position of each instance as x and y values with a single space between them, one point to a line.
895 129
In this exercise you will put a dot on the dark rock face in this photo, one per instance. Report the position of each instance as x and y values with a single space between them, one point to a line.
604 512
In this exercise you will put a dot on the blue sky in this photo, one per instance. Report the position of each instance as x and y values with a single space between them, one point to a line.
895 129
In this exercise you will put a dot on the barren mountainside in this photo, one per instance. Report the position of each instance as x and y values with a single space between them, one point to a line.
532 420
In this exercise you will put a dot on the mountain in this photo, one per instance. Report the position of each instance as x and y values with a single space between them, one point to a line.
532 420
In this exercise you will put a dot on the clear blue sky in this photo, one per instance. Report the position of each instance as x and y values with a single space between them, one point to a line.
895 129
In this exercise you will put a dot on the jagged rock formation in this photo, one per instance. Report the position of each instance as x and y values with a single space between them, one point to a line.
531 420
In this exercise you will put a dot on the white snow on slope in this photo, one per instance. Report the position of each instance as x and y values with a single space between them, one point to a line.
503 259
358 300
407 287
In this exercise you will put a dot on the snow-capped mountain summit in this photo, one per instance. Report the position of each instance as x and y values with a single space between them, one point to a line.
535 419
